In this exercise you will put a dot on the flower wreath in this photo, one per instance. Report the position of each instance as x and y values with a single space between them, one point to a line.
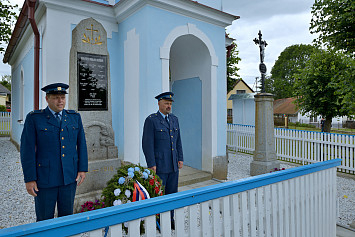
132 183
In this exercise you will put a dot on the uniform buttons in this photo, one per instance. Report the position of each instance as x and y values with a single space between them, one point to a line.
172 149
171 136
172 142
62 138
171 130
63 146
45 129
161 130
63 155
62 129
39 164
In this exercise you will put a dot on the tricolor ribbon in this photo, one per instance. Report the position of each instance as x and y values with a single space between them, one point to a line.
139 193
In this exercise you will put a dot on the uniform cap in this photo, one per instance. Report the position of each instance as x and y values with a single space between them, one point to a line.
165 96
56 88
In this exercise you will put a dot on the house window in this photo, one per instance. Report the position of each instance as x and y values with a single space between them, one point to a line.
313 119
241 91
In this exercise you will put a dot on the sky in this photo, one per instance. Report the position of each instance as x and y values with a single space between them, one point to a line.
282 22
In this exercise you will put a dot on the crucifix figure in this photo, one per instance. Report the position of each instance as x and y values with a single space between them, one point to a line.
262 67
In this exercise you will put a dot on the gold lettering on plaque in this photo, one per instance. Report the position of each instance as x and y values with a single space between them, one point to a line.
91 40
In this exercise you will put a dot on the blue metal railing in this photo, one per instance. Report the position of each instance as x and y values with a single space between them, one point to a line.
88 221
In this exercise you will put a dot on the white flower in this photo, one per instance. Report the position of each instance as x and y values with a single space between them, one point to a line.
117 192
129 201
127 193
117 202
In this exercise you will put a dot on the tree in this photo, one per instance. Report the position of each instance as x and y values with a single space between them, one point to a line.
334 21
281 81
316 86
7 20
232 69
6 81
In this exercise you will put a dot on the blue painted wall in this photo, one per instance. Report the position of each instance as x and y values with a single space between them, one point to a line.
157 25
117 87
188 107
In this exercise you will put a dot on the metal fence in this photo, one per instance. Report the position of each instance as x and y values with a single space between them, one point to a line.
295 202
5 123
298 146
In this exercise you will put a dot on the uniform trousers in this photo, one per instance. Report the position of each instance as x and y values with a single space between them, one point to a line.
170 181
47 198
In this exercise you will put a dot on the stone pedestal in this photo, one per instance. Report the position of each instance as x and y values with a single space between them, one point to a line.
90 95
265 159
220 167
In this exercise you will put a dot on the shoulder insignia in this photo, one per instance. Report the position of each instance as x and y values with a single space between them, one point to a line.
36 111
70 111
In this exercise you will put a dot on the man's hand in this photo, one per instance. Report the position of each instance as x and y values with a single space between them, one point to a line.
180 164
154 168
81 176
32 188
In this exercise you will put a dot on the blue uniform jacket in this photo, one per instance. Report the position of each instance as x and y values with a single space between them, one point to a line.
162 143
51 153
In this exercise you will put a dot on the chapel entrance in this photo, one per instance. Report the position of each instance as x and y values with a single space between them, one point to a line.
190 73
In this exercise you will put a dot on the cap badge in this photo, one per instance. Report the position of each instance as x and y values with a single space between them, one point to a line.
59 88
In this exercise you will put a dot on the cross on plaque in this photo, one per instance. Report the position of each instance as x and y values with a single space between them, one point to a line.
92 31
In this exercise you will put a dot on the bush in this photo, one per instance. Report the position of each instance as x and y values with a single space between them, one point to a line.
305 125
3 108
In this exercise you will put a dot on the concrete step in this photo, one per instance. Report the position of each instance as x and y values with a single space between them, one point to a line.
189 175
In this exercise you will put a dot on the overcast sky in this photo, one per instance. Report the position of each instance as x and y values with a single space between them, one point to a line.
282 23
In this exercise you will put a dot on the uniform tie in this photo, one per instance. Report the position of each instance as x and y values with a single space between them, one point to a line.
57 117
166 119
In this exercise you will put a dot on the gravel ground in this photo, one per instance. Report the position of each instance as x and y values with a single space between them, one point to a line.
17 207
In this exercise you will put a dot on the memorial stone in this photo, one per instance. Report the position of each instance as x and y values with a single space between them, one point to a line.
90 95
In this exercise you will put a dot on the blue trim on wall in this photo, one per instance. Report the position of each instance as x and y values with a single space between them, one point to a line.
88 221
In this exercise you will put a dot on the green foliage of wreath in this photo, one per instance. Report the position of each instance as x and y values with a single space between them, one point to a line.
120 188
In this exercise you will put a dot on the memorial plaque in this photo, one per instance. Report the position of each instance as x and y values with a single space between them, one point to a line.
92 82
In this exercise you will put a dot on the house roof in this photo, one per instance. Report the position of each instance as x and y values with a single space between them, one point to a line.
285 106
237 81
3 90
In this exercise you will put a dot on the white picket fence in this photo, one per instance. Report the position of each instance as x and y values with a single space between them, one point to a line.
297 146
295 202
5 123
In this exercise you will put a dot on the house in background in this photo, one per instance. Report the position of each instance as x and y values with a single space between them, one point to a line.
5 96
240 87
287 107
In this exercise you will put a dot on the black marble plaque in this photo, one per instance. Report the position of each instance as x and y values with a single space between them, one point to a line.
92 82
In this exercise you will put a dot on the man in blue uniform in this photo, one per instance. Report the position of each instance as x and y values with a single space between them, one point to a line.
162 143
53 154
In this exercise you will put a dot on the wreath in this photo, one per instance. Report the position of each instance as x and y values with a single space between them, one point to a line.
131 183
